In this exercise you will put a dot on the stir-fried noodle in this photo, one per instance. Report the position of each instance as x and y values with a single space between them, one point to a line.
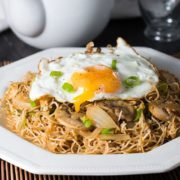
139 125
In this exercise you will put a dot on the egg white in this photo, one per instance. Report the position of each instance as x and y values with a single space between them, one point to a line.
129 63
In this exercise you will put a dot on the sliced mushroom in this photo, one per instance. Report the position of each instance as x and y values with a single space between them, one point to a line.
164 110
69 121
128 111
158 111
116 106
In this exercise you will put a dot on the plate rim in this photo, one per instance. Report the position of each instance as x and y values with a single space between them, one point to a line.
39 169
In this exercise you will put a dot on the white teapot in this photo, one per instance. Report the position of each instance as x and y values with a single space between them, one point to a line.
52 23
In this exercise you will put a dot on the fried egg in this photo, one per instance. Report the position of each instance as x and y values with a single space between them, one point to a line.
119 73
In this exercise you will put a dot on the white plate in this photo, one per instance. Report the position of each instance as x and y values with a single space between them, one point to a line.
36 160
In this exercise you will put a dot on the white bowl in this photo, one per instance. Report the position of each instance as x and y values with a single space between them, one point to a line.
24 154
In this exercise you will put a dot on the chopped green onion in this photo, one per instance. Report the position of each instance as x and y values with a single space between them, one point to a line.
138 114
113 64
107 131
162 87
87 122
33 103
68 87
131 81
56 74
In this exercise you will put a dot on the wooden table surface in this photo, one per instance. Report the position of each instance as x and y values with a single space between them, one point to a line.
12 49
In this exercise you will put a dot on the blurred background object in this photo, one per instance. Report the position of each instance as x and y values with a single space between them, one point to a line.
125 9
125 21
27 20
162 18
45 24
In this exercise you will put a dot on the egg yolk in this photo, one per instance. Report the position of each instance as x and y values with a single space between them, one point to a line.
94 79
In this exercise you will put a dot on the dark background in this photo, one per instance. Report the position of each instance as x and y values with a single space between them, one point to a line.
11 48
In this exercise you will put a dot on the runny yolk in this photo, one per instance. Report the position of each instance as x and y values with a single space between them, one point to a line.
95 79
